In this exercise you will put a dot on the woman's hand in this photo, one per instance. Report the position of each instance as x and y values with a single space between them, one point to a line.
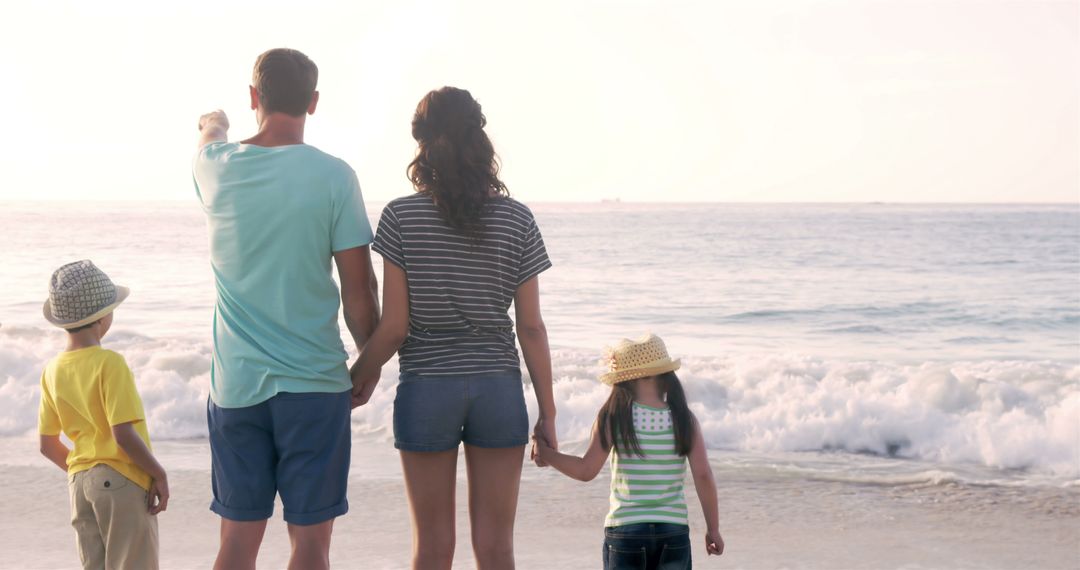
544 431
541 452
363 385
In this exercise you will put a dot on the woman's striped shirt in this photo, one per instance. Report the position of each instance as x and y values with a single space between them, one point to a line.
650 488
460 289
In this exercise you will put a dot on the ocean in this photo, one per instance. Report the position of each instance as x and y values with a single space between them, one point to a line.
884 345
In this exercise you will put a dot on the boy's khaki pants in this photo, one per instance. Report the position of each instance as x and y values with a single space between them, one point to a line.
112 521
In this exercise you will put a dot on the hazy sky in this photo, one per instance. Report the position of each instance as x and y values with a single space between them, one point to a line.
671 101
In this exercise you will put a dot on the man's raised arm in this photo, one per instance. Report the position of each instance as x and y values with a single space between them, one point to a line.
213 127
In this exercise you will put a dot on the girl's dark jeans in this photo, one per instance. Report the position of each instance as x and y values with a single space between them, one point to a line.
647 546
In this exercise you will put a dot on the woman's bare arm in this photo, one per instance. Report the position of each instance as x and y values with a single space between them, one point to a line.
532 334
388 336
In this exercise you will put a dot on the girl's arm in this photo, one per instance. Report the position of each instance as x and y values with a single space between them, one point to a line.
128 440
580 468
532 334
706 491
388 336
55 450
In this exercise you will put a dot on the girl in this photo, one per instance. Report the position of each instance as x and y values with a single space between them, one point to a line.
648 424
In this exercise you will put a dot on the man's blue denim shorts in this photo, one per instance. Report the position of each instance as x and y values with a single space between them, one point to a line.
437 413
295 444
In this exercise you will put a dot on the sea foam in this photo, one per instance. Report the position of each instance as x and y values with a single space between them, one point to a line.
1010 415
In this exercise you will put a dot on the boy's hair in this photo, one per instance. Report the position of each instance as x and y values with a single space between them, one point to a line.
82 328
616 418
285 80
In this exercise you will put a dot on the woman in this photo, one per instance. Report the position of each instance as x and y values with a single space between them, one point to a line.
456 254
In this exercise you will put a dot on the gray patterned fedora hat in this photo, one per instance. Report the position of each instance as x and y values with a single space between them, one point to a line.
79 294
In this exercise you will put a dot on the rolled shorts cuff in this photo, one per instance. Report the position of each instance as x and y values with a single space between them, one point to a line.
497 443
316 517
240 515
429 447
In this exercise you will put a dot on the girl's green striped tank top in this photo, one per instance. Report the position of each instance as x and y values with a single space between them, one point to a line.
650 488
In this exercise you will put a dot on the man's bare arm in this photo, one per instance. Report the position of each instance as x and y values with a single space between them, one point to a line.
213 127
359 293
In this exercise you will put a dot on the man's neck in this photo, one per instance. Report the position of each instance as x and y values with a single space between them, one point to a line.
278 129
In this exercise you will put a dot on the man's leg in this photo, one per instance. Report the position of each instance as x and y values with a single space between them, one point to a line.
310 545
243 471
240 542
313 439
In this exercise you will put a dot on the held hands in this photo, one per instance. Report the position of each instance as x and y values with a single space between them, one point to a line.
363 386
214 119
540 452
714 544
158 497
545 441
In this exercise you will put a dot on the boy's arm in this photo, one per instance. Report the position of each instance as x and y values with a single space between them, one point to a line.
213 127
706 491
55 450
136 449
580 468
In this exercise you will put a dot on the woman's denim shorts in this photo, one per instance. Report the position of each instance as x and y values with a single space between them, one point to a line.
436 413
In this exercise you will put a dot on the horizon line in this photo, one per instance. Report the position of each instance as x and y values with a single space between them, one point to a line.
604 201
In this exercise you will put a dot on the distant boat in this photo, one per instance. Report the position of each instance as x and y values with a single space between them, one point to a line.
610 200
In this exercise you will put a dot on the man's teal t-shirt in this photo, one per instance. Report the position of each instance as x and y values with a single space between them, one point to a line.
276 215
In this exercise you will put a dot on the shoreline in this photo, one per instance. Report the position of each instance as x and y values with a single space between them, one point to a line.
768 519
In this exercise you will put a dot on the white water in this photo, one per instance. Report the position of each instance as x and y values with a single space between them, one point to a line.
1006 415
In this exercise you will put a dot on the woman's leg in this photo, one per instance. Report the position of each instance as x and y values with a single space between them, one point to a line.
430 481
494 480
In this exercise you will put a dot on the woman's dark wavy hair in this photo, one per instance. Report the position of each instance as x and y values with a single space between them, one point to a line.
616 417
455 162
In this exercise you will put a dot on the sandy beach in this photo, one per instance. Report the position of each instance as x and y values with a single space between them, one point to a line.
768 520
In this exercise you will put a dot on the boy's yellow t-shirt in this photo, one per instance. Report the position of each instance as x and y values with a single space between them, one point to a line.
83 394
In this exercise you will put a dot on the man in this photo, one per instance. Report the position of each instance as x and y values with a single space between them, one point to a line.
278 210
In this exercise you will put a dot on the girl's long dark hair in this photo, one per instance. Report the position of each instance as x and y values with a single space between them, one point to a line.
455 162
616 418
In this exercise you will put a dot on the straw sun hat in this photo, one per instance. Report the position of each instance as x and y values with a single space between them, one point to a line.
79 294
633 359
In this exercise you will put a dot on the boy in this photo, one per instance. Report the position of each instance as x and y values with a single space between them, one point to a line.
88 393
